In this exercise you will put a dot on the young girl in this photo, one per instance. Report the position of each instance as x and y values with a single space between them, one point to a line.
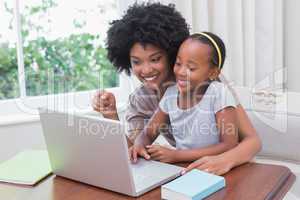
200 110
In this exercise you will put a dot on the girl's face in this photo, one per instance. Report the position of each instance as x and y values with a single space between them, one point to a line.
193 68
150 65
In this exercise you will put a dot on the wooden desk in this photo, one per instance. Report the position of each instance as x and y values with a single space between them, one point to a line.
251 181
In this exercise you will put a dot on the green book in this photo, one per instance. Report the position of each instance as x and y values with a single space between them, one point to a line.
27 167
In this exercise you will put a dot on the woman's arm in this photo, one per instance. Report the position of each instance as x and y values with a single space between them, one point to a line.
250 143
105 103
248 147
227 126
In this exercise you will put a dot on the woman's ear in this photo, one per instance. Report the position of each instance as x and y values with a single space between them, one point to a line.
214 73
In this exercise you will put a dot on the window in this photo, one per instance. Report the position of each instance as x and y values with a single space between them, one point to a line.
62 47
9 87
52 53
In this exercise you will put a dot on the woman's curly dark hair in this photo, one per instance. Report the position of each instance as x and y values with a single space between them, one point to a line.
150 23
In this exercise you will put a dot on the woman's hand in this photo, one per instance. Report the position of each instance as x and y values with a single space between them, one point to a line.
217 165
161 153
138 150
105 103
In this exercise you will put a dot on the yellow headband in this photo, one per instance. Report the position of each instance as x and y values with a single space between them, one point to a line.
215 45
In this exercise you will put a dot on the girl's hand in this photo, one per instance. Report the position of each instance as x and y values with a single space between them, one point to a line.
105 103
161 153
217 165
138 150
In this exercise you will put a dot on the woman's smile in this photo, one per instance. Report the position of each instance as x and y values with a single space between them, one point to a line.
150 65
150 78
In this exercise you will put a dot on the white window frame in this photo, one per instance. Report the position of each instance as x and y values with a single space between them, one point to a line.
24 108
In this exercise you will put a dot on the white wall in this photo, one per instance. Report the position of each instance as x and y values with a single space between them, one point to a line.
292 44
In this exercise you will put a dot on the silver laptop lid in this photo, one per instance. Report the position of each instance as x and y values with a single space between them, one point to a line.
88 149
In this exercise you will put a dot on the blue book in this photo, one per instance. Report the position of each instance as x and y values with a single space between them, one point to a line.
193 185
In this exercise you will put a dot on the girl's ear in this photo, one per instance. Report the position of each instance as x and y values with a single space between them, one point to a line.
214 73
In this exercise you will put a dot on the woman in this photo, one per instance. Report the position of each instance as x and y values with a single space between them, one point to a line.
146 40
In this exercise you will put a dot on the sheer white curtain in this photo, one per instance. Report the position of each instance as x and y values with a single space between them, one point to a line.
253 33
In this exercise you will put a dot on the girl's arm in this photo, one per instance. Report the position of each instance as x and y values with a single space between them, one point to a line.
227 126
158 121
148 135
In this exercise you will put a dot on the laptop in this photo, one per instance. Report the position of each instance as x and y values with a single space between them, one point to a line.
94 150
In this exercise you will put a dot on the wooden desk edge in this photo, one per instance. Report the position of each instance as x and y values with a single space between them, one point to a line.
286 187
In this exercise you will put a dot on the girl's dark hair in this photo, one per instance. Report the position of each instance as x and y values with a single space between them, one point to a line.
214 55
146 23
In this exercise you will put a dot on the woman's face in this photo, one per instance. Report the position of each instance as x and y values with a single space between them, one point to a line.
150 65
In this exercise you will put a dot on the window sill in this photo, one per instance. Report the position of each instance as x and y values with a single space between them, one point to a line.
17 119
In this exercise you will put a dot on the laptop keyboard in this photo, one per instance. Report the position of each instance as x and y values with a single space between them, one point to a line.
147 172
140 178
